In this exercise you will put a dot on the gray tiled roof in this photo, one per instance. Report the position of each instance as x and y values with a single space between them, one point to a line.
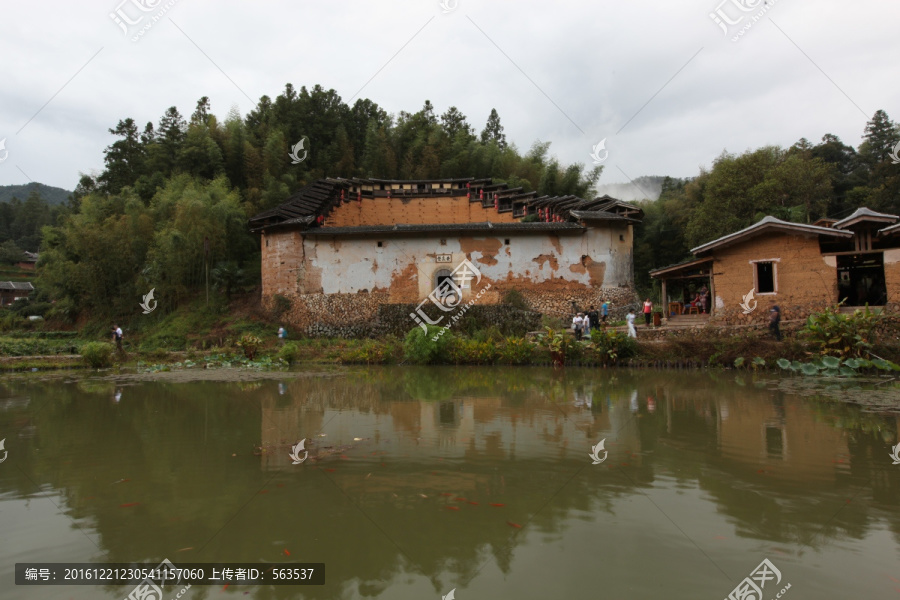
16 285
862 214
319 198
771 223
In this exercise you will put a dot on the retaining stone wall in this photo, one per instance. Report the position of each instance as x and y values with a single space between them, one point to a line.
373 314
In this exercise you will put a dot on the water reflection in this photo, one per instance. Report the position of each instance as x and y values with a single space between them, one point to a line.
418 479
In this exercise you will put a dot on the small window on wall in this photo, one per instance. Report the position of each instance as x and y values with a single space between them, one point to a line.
765 277
380 244
621 238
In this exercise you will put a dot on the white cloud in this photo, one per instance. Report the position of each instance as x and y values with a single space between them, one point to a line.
600 62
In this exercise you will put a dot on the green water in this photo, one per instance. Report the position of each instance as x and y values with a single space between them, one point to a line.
706 476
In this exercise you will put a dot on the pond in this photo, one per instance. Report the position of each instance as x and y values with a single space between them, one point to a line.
489 483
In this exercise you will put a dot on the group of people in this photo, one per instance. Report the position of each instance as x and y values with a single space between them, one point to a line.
700 301
582 323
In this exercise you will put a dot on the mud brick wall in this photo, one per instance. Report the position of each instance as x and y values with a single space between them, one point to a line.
892 278
806 281
282 262
414 211
337 283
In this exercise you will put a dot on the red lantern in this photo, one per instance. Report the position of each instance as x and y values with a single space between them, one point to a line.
468 196
481 194
467 185
342 196
496 203
359 195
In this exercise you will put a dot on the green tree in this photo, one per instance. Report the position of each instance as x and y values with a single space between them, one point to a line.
493 130
10 253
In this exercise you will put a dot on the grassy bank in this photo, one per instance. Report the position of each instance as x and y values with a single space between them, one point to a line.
240 333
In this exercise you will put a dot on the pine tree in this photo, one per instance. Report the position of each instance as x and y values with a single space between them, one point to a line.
493 130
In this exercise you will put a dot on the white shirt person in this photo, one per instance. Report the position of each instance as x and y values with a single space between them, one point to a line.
630 318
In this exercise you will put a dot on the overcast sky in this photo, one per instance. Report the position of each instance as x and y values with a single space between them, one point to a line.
661 82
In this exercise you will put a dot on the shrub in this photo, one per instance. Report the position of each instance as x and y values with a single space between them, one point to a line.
250 344
424 348
280 305
289 353
11 321
36 347
515 299
548 322
473 351
516 351
158 354
610 346
560 345
842 335
491 334
97 354
372 352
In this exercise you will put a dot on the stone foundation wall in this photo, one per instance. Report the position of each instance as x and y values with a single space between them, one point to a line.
788 328
374 314
558 303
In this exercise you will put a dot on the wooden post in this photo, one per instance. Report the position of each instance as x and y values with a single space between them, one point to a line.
712 291
664 299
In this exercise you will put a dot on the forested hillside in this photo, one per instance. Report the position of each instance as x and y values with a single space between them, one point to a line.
51 195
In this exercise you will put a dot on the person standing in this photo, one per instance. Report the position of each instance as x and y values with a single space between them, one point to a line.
604 311
577 324
648 308
586 326
594 317
117 338
282 334
775 322
629 318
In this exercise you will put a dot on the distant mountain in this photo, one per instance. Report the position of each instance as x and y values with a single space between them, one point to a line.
53 195
647 187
